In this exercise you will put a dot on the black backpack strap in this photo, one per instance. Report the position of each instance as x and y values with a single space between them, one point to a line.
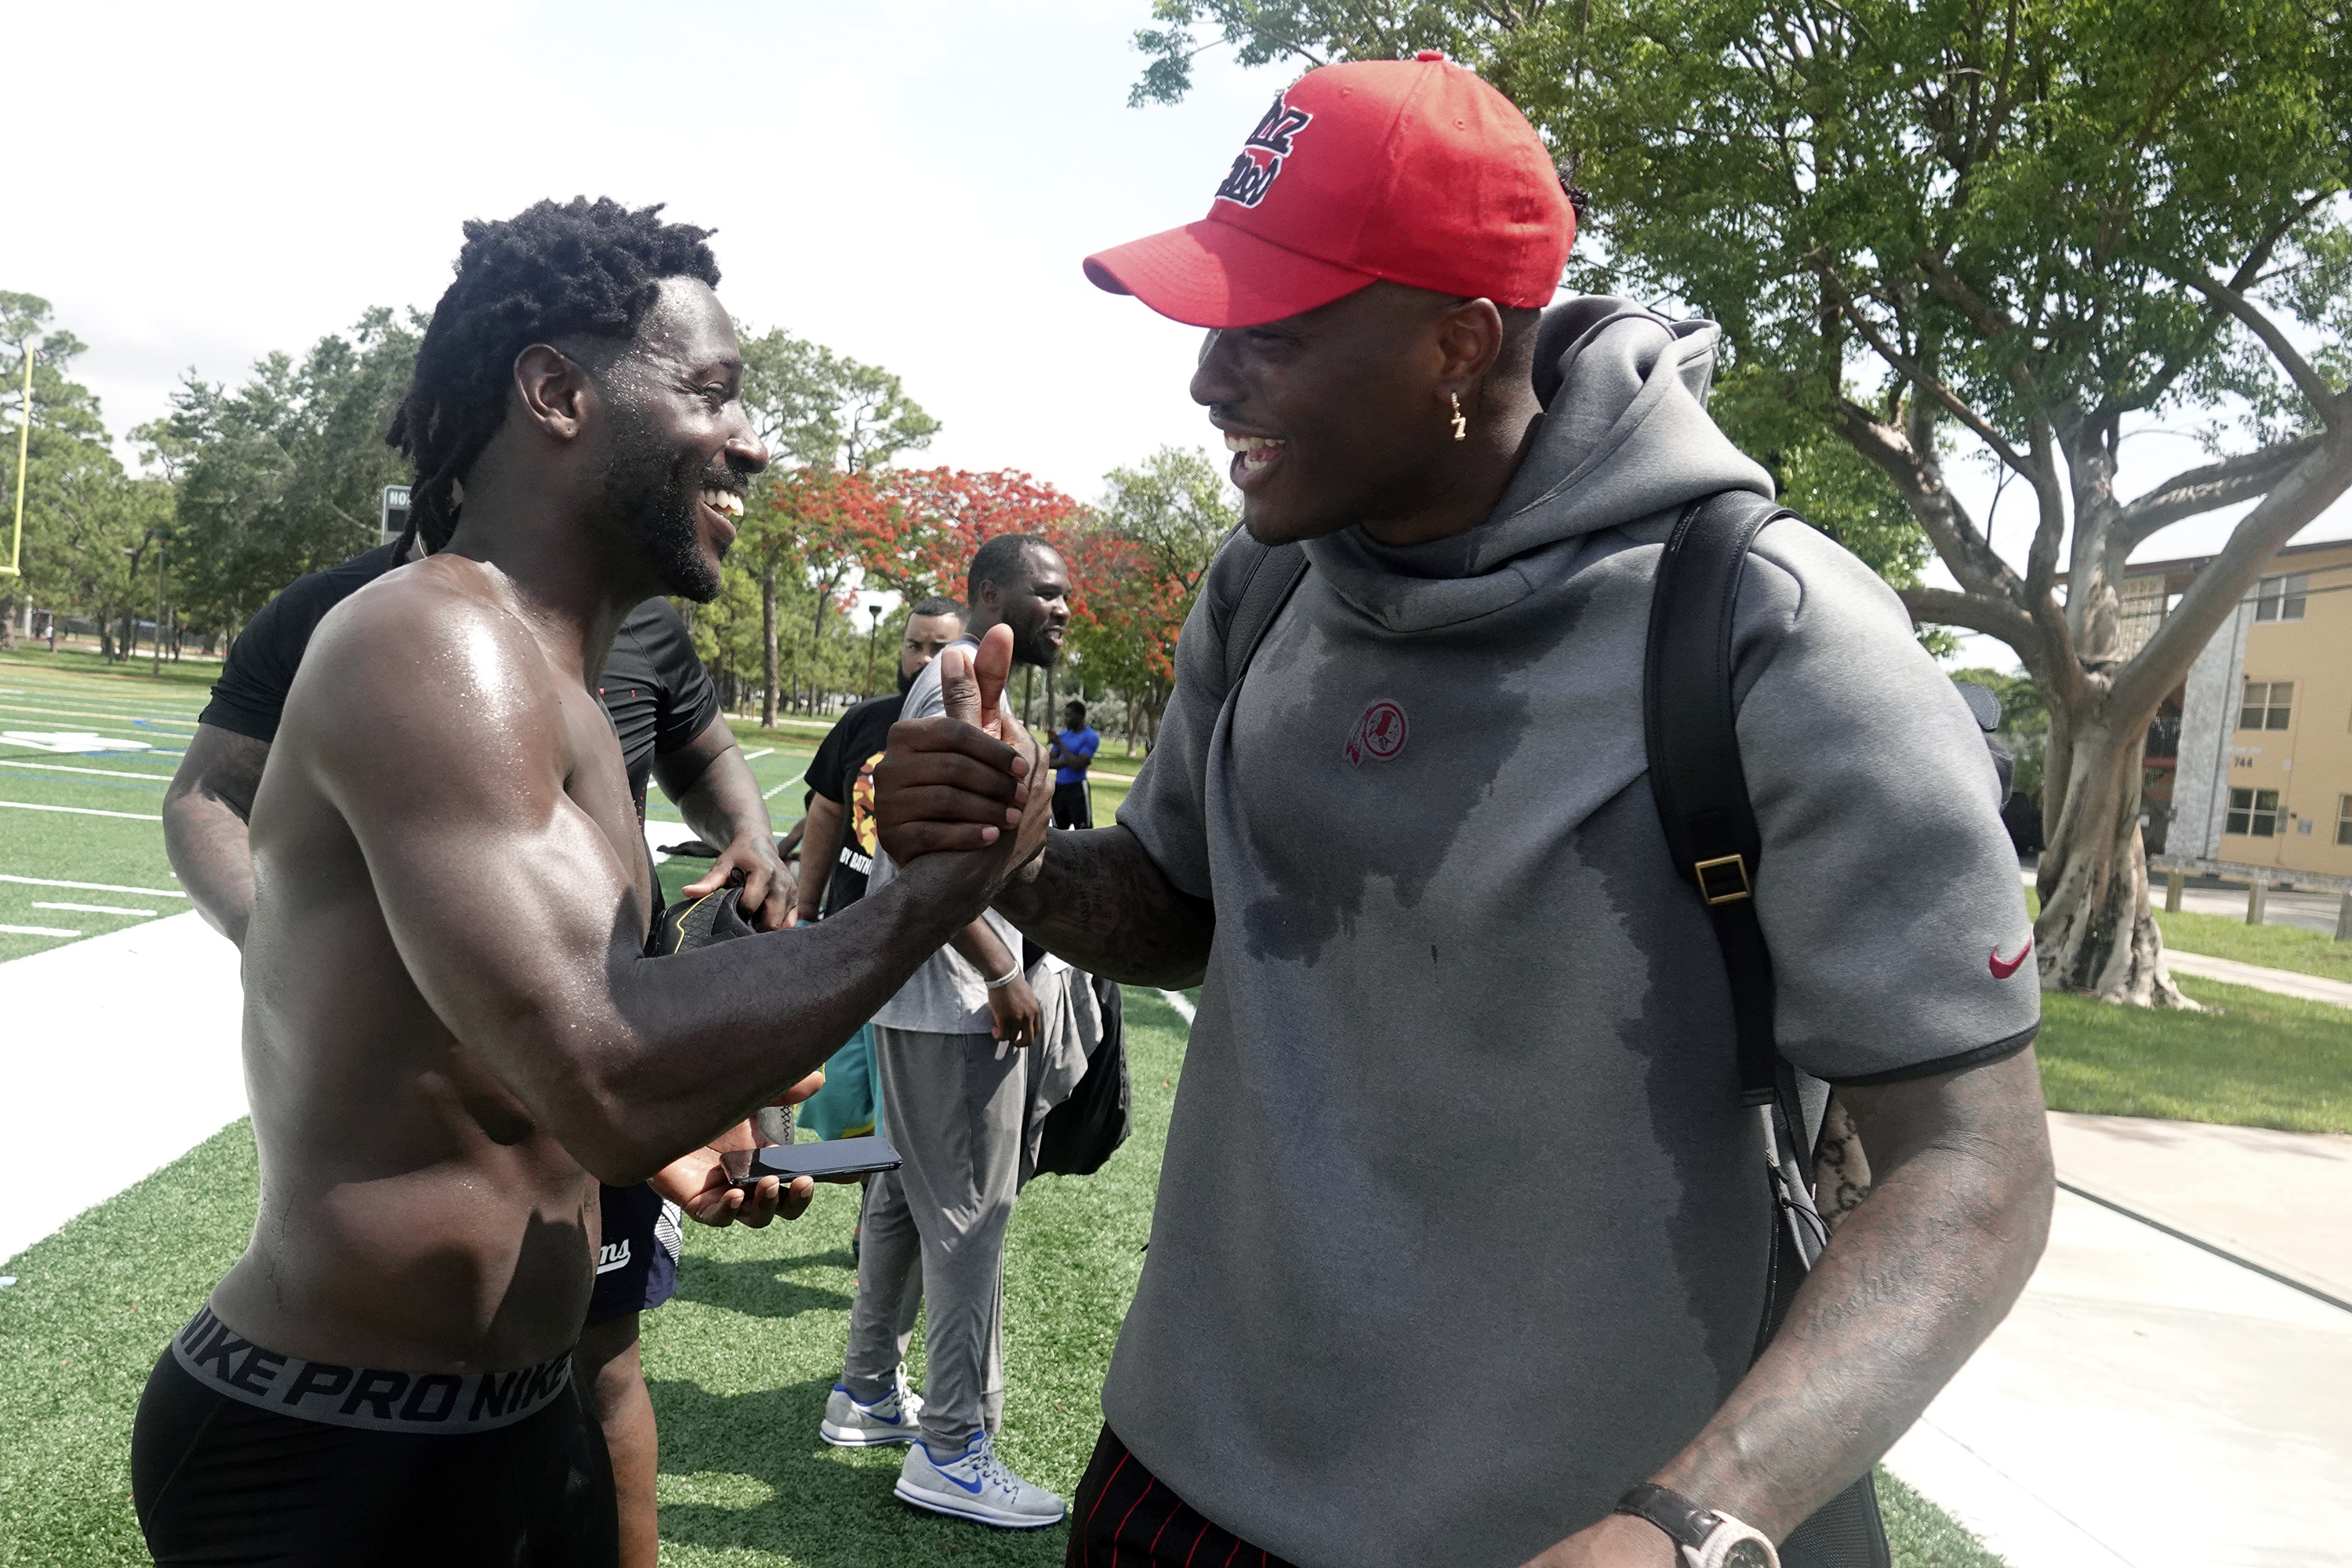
1270 575
1694 772
1701 790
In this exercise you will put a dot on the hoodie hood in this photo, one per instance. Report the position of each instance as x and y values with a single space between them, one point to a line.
1625 435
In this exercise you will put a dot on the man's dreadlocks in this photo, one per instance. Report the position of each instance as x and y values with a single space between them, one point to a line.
550 271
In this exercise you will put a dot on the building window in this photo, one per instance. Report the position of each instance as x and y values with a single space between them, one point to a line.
2343 820
2254 812
2266 705
2280 599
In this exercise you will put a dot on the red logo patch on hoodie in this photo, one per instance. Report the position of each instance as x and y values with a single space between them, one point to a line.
2002 968
1379 735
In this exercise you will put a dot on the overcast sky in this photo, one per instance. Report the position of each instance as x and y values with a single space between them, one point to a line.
912 184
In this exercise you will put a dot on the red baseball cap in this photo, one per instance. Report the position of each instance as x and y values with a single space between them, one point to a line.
1415 171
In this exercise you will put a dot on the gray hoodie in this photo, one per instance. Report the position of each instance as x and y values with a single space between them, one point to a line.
1462 1229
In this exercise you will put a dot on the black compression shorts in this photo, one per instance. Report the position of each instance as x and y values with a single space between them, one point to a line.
383 1469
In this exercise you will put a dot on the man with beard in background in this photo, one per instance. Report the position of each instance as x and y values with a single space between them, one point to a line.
960 1081
453 1029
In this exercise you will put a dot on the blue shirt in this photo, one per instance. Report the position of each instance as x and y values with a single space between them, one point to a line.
1078 743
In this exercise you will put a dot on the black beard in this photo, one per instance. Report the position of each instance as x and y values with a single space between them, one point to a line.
906 682
1034 648
654 492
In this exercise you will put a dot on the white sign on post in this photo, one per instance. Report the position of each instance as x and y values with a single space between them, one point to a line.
395 513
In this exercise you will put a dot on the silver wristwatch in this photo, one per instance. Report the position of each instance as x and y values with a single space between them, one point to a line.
1705 1538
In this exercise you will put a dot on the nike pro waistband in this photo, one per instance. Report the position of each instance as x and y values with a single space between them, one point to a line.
370 1398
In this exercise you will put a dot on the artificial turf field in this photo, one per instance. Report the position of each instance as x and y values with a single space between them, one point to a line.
740 1361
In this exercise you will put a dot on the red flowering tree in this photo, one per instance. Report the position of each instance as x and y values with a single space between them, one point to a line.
1159 527
937 517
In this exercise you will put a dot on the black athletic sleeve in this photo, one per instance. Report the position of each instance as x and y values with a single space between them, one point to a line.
688 699
250 695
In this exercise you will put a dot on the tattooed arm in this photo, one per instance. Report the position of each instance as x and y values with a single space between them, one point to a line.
1914 1279
1098 899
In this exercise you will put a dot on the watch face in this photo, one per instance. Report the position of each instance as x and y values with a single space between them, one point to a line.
1748 1555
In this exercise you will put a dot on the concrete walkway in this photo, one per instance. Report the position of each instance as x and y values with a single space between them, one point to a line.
118 1054
2284 981
2311 911
2149 1403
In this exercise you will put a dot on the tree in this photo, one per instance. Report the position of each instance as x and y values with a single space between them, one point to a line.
1155 532
81 513
284 476
826 420
2017 233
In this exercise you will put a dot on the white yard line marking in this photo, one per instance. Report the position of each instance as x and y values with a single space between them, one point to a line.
780 789
94 886
95 713
83 811
94 908
67 768
37 931
762 751
1177 1000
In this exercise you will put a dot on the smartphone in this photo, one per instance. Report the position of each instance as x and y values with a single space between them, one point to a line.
833 1157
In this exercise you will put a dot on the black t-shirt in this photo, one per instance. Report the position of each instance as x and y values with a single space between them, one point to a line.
842 772
655 692
259 670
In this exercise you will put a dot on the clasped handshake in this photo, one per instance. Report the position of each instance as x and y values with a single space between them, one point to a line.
965 798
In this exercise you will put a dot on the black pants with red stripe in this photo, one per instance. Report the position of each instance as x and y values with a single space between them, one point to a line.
1126 1516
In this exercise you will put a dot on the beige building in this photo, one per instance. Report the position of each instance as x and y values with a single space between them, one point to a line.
2262 771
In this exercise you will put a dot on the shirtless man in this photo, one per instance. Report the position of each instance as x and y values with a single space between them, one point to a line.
452 1030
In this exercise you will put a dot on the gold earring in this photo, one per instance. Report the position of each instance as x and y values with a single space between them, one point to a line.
1461 424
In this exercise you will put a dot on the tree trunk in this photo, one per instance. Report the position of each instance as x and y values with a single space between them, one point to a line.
768 641
9 622
2096 935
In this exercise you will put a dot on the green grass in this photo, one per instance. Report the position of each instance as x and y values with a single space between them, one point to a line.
1925 1536
78 692
2259 1060
2271 946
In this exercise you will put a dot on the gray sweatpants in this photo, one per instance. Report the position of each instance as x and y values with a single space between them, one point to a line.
958 1106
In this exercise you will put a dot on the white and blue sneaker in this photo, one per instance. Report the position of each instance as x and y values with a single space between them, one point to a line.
896 1418
977 1486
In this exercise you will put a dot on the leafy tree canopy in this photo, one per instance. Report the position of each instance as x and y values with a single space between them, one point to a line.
285 475
89 527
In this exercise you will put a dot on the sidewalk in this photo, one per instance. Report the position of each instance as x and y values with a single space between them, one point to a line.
119 1054
2148 1403
2284 981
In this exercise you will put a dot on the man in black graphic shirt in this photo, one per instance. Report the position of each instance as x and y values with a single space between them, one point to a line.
666 712
834 863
